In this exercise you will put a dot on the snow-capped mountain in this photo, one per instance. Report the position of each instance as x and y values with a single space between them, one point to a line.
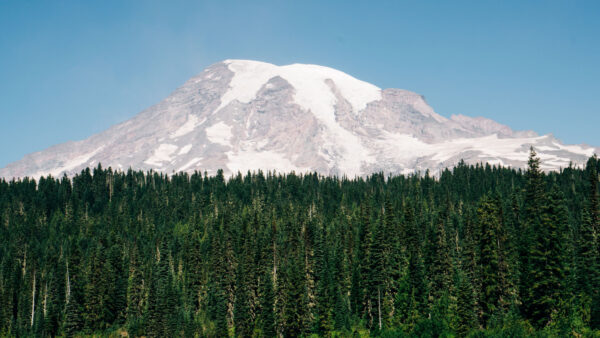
240 115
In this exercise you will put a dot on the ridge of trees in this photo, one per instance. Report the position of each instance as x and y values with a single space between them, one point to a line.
479 251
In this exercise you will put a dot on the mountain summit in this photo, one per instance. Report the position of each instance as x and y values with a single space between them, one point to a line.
240 115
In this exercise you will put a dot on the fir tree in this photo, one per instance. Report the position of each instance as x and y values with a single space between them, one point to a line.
548 260
74 311
534 198
135 290
242 319
267 317
489 257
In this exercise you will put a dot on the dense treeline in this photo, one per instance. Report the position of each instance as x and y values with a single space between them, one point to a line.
479 251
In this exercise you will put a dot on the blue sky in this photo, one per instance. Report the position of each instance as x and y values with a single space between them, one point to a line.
69 69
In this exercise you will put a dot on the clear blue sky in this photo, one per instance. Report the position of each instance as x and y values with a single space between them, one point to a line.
69 69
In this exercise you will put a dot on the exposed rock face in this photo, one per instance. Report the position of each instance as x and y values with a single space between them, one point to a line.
242 115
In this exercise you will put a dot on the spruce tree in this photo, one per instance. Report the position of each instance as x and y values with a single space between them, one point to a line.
375 283
267 316
74 311
593 235
548 259
136 298
441 265
241 316
533 200
465 313
489 257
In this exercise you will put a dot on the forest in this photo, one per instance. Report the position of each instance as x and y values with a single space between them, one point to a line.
476 251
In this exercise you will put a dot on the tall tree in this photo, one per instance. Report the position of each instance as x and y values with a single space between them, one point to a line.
489 257
267 315
533 200
548 259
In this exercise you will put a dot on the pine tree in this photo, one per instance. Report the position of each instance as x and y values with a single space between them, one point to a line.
96 290
162 298
116 296
135 290
267 316
55 296
593 258
489 257
293 309
441 264
242 318
416 272
74 311
194 271
548 260
375 283
216 288
405 307
323 307
465 313
534 198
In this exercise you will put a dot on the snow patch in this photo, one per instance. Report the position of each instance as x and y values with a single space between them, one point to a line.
190 163
186 149
219 133
161 154
189 126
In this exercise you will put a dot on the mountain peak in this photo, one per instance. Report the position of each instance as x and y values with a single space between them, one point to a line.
241 115
312 90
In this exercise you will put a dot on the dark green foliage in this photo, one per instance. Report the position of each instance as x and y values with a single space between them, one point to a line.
162 316
477 251
241 315
533 199
75 297
465 310
267 315
489 256
548 259
136 298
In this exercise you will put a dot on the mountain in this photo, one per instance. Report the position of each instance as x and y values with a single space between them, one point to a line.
242 115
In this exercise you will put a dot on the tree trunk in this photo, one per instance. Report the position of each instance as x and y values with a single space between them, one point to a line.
33 299
379 305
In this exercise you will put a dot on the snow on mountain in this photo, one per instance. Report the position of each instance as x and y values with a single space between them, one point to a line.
240 115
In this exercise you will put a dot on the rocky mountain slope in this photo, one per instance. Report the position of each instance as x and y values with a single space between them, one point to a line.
240 115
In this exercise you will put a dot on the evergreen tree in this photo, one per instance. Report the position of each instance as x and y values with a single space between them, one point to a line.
217 301
135 290
465 313
96 291
534 198
548 260
74 311
162 298
441 265
267 317
489 257
591 248
375 283
242 318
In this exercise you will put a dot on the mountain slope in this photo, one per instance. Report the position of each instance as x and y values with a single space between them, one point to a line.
242 115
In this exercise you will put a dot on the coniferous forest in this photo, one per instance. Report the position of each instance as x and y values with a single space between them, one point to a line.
478 251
